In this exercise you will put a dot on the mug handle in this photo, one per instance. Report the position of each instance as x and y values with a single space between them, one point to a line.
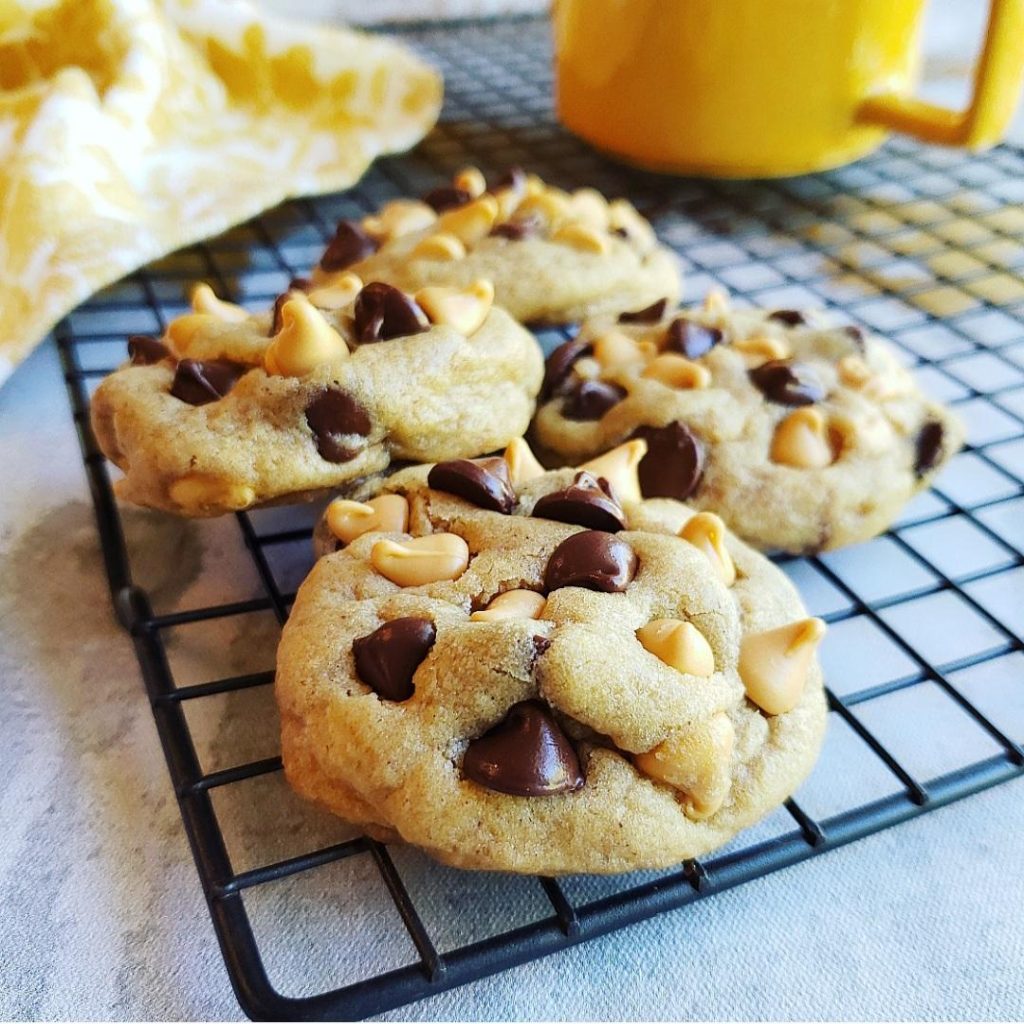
997 83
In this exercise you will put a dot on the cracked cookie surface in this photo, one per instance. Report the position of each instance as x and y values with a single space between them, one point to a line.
803 437
541 672
230 410
553 256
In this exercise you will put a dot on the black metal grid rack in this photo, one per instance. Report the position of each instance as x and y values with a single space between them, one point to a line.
921 244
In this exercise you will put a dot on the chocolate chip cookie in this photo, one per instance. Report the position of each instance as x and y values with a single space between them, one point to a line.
536 671
553 256
229 410
803 437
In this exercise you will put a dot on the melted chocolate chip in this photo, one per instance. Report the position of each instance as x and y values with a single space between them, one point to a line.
787 383
382 312
144 350
928 447
387 658
621 232
332 416
540 646
592 399
514 178
484 482
594 560
525 754
299 284
789 317
199 382
588 502
349 245
559 364
446 197
648 315
674 462
690 338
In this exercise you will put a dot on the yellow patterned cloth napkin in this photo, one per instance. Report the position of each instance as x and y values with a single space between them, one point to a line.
129 128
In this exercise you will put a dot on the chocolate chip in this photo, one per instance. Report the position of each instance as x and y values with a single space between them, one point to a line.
332 416
514 178
594 560
349 245
928 447
540 646
144 350
517 230
383 312
484 482
648 315
299 284
856 335
621 232
674 462
276 322
446 197
592 399
559 364
387 658
690 338
199 382
789 317
787 383
587 501
525 754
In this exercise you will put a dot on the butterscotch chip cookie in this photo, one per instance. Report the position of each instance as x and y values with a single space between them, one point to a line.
230 410
803 437
541 672
553 256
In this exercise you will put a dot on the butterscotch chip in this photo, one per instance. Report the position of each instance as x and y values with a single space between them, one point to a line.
412 563
677 372
582 236
465 309
706 532
511 722
205 301
774 665
802 440
397 218
470 223
732 402
387 513
306 340
513 604
442 246
522 463
679 644
619 468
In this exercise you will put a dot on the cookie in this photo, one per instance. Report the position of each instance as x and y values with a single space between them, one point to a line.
554 257
535 671
801 436
230 410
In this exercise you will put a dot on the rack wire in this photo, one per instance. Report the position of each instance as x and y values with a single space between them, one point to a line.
921 244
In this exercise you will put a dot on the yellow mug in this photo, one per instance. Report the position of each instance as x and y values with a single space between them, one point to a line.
759 88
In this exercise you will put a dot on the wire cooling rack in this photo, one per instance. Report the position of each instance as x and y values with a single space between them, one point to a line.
924 654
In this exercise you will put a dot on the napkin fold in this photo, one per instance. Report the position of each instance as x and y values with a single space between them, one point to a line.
129 128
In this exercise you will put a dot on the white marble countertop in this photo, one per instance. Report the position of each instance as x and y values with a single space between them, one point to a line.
103 914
